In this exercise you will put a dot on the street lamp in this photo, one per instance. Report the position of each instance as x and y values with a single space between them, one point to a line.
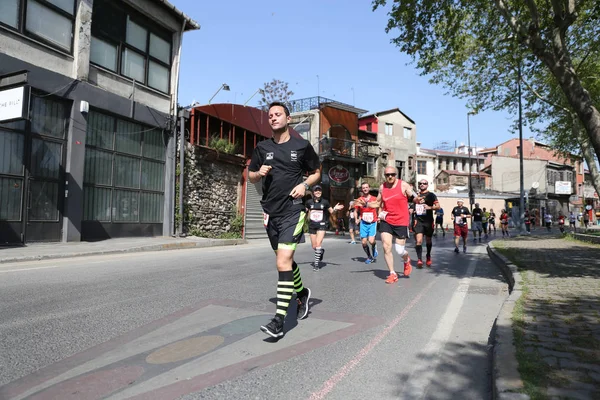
254 94
521 179
223 87
471 193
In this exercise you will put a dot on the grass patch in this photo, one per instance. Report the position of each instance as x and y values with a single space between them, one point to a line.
534 371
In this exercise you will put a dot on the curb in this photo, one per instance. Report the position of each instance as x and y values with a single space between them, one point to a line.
506 381
154 247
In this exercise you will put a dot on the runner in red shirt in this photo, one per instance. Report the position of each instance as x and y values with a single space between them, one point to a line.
367 216
393 199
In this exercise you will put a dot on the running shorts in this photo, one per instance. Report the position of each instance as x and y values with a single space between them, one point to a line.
319 226
426 228
368 230
285 231
461 230
401 232
477 226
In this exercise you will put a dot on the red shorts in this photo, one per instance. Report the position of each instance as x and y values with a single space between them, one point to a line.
461 230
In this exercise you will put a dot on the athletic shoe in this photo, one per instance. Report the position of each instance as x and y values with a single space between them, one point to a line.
303 304
428 262
353 242
456 250
322 254
274 328
316 267
407 267
419 263
392 278
464 249
368 261
375 253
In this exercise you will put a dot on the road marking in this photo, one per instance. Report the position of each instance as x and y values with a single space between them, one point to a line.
425 369
331 383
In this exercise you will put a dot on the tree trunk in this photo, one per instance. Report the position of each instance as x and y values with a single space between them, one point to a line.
579 99
588 155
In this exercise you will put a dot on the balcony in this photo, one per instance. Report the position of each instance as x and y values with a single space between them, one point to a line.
334 147
368 150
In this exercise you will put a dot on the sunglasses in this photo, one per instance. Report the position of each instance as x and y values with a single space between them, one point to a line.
388 175
423 183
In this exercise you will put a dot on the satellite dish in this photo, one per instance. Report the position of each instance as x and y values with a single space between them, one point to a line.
535 185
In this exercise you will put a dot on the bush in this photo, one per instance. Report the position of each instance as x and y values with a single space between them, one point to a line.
222 145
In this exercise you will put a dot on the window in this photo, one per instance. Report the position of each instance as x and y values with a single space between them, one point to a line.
422 167
389 129
128 44
407 133
124 171
400 168
50 21
370 127
370 166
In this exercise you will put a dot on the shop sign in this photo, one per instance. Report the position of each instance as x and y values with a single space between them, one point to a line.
14 103
339 174
562 187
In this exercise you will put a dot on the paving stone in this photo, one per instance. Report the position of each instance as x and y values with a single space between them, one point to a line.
564 363
559 354
551 361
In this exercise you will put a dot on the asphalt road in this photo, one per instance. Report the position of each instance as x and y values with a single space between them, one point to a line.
184 324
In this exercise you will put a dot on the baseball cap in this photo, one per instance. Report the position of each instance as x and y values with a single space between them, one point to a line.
477 204
460 201
317 187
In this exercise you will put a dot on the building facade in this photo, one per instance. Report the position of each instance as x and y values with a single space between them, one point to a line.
332 128
397 139
93 157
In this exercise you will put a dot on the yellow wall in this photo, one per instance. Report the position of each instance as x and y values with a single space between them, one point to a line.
448 203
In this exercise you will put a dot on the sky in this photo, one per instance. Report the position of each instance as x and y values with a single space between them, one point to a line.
336 48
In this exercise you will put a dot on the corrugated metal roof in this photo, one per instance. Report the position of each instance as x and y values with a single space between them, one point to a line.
249 118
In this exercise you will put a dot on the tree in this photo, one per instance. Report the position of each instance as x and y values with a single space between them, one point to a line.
474 47
275 90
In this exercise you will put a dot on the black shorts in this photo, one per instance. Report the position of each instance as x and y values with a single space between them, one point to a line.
313 227
401 232
426 228
285 231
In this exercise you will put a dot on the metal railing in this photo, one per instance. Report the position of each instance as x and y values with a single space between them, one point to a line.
338 147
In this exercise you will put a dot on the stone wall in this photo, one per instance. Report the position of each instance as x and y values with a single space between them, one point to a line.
212 192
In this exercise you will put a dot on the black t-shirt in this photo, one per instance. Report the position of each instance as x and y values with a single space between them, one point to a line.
492 217
319 211
477 214
423 215
290 160
457 211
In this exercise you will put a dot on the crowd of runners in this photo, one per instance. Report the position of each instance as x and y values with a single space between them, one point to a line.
288 168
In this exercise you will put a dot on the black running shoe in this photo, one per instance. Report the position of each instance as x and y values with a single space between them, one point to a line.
274 328
322 254
316 266
456 250
464 249
303 304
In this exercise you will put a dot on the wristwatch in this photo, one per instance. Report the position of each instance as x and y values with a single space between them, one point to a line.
306 185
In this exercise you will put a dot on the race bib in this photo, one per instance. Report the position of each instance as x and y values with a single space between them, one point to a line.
420 209
316 215
458 220
368 217
265 219
382 215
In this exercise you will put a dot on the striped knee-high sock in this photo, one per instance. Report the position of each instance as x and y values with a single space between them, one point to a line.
285 289
318 252
298 286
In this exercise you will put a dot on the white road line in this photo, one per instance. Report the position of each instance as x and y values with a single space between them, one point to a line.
429 359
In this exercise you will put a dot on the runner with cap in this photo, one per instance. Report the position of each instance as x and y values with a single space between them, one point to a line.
460 213
318 216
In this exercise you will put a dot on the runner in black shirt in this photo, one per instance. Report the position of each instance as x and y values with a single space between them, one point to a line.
477 225
281 163
461 229
318 215
423 222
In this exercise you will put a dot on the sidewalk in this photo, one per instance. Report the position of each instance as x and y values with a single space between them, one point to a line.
40 251
551 320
